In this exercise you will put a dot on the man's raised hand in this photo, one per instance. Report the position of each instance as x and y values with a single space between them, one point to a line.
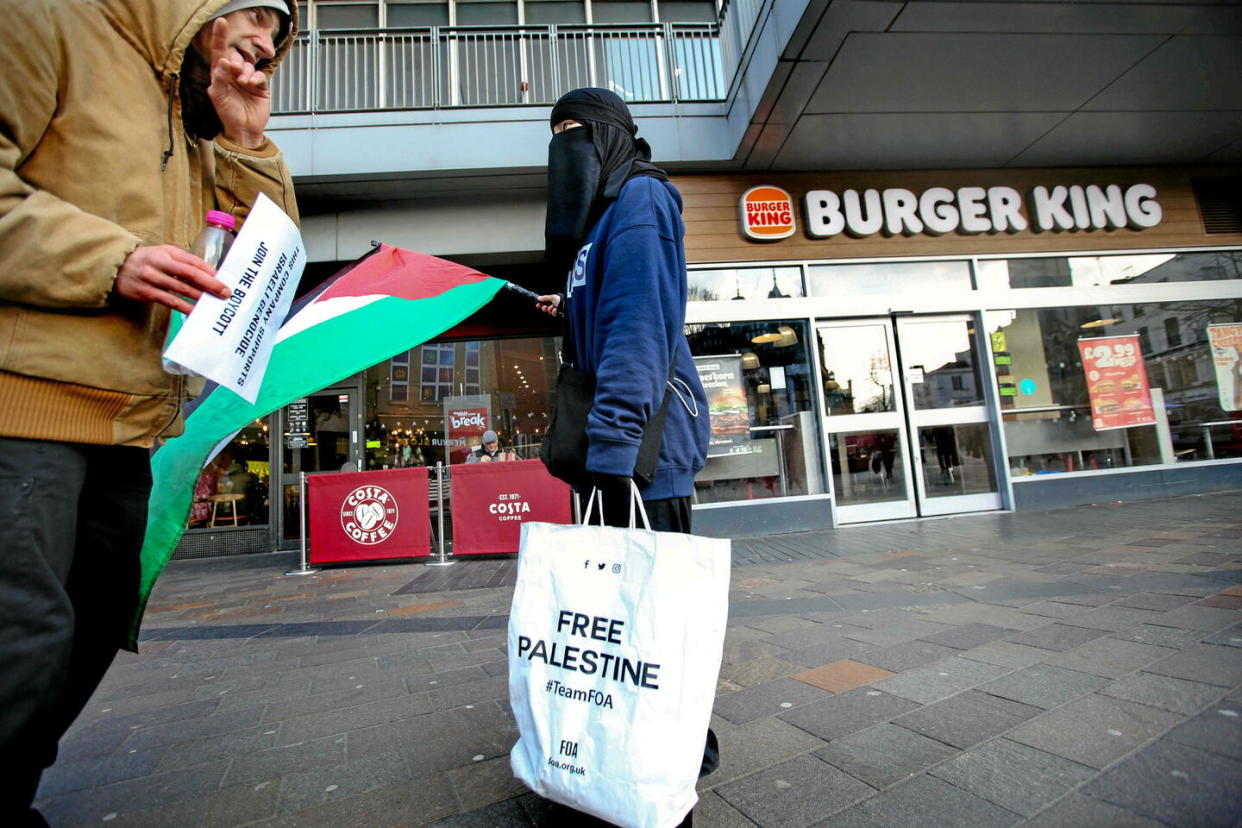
238 90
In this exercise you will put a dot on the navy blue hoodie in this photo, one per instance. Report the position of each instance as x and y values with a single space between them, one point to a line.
626 305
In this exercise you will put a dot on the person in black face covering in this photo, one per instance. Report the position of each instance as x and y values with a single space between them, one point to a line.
614 228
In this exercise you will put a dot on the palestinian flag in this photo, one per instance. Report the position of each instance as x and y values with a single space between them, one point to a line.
389 301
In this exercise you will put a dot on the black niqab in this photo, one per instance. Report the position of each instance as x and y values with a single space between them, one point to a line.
588 166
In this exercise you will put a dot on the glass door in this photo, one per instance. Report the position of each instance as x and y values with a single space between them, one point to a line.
319 433
906 422
949 426
864 423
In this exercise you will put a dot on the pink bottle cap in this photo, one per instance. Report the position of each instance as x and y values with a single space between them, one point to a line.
221 219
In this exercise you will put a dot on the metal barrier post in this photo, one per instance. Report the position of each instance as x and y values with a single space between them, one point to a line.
440 518
303 569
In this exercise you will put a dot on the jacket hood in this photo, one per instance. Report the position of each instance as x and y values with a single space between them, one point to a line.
161 30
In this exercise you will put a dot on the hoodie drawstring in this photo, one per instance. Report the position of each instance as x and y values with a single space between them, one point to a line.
172 92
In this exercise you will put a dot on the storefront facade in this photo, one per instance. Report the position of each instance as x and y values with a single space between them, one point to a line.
927 334
877 347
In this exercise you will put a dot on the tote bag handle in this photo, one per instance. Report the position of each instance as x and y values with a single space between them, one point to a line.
636 502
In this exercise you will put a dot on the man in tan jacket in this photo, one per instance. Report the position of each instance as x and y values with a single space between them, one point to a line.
121 122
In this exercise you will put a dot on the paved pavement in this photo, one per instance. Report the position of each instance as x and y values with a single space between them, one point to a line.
1078 667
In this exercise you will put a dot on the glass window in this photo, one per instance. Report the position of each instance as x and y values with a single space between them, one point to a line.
761 402
1061 415
1172 332
620 11
695 11
404 15
906 278
232 490
506 385
867 467
1087 271
486 14
399 377
745 283
549 11
858 373
347 15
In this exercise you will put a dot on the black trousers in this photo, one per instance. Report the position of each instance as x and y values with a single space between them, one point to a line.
72 520
670 515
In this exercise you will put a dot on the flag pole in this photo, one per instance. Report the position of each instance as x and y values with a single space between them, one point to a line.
444 561
304 569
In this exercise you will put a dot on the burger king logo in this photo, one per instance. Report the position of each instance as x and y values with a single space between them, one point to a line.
369 514
767 213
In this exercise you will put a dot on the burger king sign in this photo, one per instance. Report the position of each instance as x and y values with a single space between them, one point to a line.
767 213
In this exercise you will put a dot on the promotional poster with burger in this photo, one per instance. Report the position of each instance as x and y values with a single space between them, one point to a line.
1116 382
726 404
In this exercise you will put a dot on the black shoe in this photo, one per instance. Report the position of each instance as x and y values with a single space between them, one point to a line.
711 756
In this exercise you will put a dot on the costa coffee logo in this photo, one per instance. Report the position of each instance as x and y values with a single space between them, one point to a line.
369 514
467 418
767 213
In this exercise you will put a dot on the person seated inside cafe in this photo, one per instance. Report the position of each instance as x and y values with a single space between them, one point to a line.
489 451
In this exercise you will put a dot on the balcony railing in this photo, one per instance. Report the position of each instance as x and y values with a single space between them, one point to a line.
483 66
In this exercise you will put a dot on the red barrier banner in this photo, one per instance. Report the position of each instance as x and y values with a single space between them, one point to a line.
1116 382
491 501
368 516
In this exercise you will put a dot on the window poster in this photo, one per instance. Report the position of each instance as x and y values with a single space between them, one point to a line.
1116 382
1226 344
465 420
726 404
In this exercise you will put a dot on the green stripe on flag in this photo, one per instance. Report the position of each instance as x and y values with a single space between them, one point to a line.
304 363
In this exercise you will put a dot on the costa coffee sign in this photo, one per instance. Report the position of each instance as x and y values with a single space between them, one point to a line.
369 514
767 214
939 210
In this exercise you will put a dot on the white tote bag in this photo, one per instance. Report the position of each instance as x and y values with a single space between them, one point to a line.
615 641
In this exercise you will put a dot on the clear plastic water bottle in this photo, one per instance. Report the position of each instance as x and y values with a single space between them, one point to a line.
212 245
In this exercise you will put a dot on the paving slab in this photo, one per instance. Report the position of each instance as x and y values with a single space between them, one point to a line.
967 719
1217 729
1014 776
1204 619
767 700
1206 663
1044 685
1008 654
841 676
1078 811
796 793
885 754
847 713
905 656
756 745
1109 657
1155 601
1163 692
940 679
1174 637
1176 784
924 802
1095 730
967 636
1058 637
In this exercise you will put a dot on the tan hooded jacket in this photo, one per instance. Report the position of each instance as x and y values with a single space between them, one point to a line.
88 110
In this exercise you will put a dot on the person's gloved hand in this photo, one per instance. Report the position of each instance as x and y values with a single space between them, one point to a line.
611 484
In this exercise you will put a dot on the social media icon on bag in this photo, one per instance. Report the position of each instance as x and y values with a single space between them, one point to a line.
616 568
